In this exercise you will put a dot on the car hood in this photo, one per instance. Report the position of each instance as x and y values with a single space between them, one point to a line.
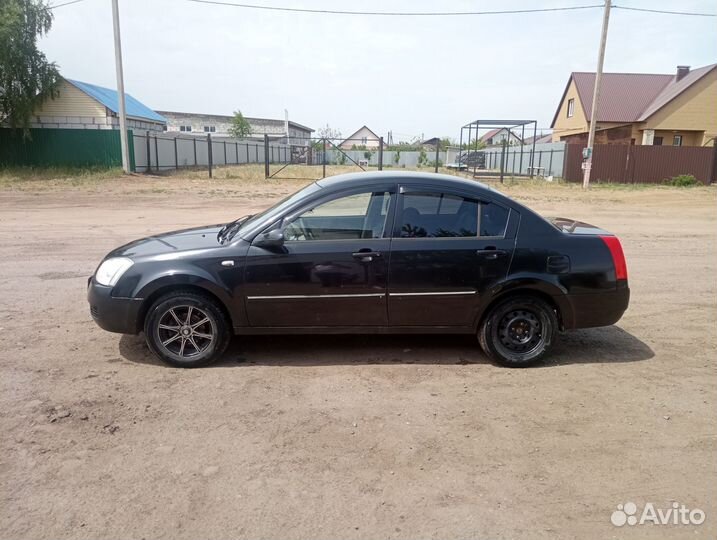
171 242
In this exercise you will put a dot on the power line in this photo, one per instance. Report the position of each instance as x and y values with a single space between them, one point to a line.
688 13
393 13
424 13
65 4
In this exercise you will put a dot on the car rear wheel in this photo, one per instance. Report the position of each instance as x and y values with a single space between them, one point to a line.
186 329
518 332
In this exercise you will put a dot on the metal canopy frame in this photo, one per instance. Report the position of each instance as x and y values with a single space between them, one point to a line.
473 137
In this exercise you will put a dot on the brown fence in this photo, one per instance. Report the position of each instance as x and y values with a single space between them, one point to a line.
642 164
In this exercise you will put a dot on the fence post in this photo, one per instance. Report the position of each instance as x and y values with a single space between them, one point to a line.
532 163
225 152
503 161
380 153
550 163
148 168
176 156
266 155
209 153
194 141
540 159
323 159
713 176
236 151
156 153
438 149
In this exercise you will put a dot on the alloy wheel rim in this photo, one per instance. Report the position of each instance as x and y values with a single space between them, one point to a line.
520 331
186 331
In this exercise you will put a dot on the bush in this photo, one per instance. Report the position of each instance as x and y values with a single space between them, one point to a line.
422 158
683 180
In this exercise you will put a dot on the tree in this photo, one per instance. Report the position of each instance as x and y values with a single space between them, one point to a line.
446 142
27 79
329 133
240 128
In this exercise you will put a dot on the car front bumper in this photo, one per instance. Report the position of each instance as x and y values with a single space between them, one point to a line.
113 314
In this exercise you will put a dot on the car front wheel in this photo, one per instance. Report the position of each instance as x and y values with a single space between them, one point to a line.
186 329
518 332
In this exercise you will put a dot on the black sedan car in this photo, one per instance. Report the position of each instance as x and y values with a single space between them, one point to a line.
367 253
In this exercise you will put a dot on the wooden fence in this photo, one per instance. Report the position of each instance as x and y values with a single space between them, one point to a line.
628 164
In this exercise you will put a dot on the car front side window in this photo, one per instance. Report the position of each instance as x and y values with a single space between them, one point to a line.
351 217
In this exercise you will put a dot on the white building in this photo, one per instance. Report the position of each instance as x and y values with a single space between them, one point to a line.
219 124
362 137
497 136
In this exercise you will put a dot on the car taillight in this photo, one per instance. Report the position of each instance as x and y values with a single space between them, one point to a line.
618 257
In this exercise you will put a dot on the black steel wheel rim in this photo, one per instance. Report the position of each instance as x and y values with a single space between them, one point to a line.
520 331
186 331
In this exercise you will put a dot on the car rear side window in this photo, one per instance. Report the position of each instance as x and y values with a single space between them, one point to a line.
493 219
444 215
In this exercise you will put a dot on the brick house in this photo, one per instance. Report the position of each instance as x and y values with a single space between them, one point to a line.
642 109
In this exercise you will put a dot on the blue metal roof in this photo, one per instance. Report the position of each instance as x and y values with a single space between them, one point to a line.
108 98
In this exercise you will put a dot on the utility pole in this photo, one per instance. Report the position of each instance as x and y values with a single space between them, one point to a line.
588 152
286 125
120 89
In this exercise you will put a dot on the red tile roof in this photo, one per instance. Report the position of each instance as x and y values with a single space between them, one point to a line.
630 97
489 134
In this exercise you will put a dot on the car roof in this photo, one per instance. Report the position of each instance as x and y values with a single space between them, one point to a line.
359 179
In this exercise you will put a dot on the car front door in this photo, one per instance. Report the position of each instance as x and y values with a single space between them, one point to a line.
448 249
330 266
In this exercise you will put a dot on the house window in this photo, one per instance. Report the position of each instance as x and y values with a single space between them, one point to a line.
571 108
657 141
677 140
185 128
364 140
210 129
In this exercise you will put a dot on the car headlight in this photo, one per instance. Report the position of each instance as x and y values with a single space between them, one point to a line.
111 270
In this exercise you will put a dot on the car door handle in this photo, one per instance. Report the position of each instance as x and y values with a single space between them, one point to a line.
491 254
366 256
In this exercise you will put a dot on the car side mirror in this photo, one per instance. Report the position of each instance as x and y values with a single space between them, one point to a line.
270 239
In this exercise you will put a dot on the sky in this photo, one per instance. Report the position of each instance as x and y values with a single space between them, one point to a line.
414 76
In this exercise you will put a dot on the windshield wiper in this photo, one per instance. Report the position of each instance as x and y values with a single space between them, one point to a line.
230 229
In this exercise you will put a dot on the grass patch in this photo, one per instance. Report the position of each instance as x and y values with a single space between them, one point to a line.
70 176
683 180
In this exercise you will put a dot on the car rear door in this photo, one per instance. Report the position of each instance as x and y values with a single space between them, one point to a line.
449 247
332 268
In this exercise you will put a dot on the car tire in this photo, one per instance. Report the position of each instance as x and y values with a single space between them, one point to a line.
186 329
519 331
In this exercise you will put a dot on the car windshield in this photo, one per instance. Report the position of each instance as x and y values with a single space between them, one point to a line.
258 221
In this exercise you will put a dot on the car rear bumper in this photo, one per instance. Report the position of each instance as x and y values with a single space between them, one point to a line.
598 309
110 313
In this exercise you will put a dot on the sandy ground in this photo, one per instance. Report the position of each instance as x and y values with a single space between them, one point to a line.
358 437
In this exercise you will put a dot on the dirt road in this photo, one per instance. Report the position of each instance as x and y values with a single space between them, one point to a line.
358 437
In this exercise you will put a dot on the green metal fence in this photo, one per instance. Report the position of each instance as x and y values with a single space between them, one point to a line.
63 148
